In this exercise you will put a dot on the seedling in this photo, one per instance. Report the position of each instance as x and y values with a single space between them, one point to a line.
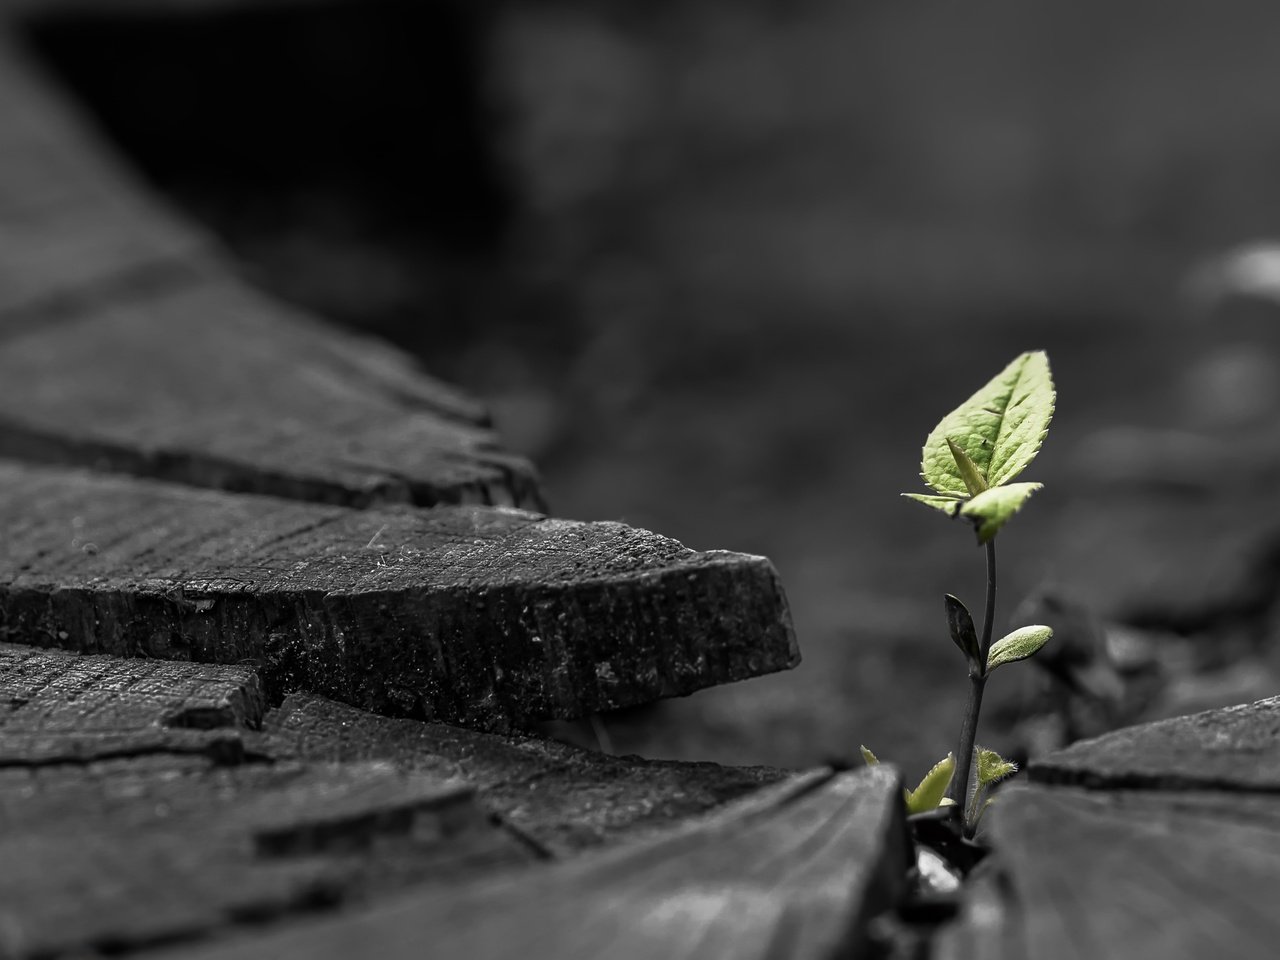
969 462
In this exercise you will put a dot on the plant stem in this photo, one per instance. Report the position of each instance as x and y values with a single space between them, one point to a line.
959 791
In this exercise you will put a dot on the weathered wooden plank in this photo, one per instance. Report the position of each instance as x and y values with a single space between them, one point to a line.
1117 874
63 708
128 346
560 797
794 871
73 224
1237 748
121 854
213 385
479 616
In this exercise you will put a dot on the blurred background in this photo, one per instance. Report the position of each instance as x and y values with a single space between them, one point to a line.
719 268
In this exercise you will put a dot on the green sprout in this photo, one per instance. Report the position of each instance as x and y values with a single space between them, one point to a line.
969 461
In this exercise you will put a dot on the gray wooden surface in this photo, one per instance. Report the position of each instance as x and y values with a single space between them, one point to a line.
473 615
1158 841
795 871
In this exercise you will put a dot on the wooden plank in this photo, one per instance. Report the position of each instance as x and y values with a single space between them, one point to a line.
128 346
794 871
121 854
73 224
1237 748
1143 875
63 708
214 385
479 616
561 798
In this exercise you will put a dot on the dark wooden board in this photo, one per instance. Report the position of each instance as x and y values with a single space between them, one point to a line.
126 344
1237 748
795 871
64 708
1093 874
74 226
173 809
560 798
480 616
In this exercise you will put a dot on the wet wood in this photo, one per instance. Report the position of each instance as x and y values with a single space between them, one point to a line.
479 616
1151 874
1237 748
795 871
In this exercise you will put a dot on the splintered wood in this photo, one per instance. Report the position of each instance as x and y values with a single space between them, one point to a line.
796 871
121 839
1174 854
477 615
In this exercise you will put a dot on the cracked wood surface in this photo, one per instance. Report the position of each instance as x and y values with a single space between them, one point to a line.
1159 841
327 808
475 615
129 346
797 870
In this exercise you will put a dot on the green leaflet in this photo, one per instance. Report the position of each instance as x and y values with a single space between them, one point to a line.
932 790
948 505
992 509
1000 428
1018 645
993 767
868 757
969 472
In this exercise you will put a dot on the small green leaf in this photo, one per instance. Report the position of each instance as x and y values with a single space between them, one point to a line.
960 624
933 788
868 757
992 767
1000 428
968 469
948 505
1018 645
992 509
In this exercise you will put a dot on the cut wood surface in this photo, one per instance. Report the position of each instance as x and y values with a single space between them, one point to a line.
214 385
1151 874
74 226
476 615
1237 748
138 823
560 798
796 871
129 346
64 708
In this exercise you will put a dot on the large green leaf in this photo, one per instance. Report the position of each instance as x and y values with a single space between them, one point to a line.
1000 428
992 509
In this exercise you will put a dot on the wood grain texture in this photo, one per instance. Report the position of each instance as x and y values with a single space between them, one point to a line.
74 226
129 346
214 385
121 854
147 801
1100 874
62 708
795 871
561 798
479 616
1237 748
